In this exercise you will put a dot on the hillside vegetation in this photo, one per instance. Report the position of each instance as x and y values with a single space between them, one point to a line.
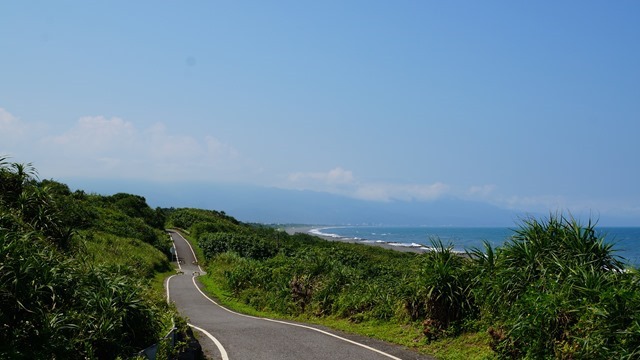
555 289
75 271
76 268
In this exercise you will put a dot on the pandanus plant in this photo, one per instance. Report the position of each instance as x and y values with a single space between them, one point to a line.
556 289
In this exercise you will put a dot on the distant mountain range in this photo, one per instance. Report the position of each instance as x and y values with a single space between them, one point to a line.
273 205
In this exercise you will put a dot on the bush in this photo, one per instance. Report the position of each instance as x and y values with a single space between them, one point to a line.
53 306
248 246
556 289
55 301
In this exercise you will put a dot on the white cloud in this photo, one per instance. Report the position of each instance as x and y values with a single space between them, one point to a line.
111 147
537 203
406 192
336 176
167 147
219 151
11 128
343 182
6 119
97 133
481 190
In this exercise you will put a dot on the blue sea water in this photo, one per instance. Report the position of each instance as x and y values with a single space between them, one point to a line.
626 240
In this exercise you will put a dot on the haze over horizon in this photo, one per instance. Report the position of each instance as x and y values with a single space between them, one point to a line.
398 106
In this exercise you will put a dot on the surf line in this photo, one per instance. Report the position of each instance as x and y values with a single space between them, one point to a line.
193 279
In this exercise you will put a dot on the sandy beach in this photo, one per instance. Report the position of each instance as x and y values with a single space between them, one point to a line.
307 230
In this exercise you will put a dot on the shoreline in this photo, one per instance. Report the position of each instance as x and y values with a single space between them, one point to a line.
386 245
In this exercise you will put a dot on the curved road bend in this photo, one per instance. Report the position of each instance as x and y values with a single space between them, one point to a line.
242 337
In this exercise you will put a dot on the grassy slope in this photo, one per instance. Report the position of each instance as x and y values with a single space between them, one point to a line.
118 237
143 259
470 346
553 290
77 268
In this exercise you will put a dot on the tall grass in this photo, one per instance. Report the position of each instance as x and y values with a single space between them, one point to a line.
555 289
54 306
62 301
134 256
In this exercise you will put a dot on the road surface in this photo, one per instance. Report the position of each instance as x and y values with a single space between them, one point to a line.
225 334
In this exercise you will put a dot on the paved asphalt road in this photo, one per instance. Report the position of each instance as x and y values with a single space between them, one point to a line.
242 337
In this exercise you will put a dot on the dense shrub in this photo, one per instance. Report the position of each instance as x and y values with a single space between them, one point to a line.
56 300
117 223
53 306
135 206
131 255
302 274
244 245
445 288
186 218
556 289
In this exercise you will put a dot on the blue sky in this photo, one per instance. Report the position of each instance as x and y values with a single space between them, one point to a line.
527 106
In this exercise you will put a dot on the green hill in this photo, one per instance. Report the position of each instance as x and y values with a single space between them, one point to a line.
556 289
76 271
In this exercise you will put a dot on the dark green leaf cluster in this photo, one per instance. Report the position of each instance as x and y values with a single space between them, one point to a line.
127 215
29 206
248 246
556 290
297 274
54 306
441 292
135 206
186 218
56 299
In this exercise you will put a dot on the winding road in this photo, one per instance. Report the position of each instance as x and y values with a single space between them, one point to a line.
230 335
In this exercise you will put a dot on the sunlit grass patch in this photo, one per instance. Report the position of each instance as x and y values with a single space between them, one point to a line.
142 258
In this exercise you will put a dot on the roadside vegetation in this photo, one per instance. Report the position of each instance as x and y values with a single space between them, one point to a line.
80 276
75 270
554 290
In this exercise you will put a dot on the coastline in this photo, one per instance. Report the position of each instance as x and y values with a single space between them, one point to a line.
315 231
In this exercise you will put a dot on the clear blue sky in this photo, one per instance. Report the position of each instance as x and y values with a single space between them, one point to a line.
532 106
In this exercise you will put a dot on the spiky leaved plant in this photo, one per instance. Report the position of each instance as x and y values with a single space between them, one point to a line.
445 289
556 289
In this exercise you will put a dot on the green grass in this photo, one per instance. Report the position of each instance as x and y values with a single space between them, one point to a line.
157 282
471 346
468 346
463 347
143 258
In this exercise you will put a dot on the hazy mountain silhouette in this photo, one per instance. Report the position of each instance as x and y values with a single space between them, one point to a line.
273 205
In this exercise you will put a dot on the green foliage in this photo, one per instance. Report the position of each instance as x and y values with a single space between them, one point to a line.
117 223
74 208
186 218
131 255
245 245
69 299
301 274
28 206
54 306
556 290
445 289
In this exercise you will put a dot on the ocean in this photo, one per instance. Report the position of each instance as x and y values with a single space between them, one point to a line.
626 240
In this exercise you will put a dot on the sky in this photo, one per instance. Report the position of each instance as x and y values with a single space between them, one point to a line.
531 106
